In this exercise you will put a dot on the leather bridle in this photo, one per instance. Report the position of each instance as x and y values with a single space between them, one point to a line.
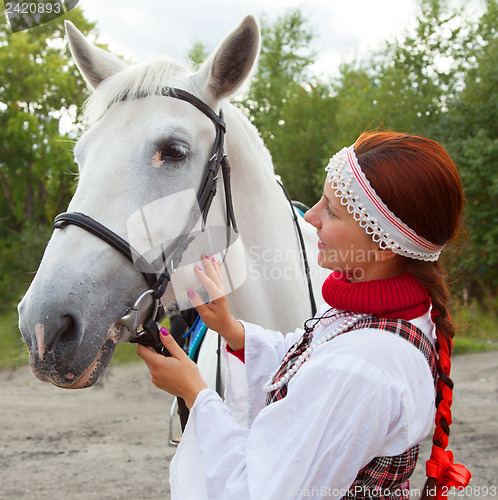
171 257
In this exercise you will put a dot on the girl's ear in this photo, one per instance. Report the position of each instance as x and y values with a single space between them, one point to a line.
384 254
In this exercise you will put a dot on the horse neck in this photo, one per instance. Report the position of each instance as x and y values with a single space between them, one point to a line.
253 174
258 199
267 229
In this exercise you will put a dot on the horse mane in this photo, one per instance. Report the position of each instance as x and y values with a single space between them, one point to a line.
139 80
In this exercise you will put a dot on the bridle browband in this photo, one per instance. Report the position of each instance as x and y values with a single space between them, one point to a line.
171 257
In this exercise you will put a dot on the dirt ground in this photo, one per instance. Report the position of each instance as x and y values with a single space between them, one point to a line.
111 441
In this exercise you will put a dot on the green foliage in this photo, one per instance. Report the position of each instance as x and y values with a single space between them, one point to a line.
407 87
282 66
300 143
471 128
356 99
477 157
422 71
291 111
477 326
40 84
197 54
439 80
20 254
13 351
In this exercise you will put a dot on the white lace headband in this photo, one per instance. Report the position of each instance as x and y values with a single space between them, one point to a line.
355 192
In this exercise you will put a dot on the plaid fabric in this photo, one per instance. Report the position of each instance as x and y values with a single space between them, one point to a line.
384 478
387 478
287 363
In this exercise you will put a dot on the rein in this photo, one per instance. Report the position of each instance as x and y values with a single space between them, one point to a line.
304 254
172 256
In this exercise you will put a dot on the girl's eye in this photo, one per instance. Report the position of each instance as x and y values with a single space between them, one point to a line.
329 212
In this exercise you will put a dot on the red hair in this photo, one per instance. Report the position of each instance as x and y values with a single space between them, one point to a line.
420 184
416 179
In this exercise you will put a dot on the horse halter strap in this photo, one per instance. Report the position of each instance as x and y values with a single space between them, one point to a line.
173 254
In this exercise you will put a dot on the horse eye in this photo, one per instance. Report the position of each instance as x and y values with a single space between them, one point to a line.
174 152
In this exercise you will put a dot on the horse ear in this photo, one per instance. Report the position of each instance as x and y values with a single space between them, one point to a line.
227 69
95 64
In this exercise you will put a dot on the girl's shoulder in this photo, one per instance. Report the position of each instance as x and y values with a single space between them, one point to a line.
397 357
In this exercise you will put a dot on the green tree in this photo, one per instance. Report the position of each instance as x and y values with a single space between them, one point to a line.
301 143
40 84
291 109
407 86
422 72
471 130
357 99
197 54
282 67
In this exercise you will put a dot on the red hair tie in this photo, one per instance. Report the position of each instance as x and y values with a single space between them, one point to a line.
446 473
435 313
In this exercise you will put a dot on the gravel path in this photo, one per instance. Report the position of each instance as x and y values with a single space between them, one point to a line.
111 441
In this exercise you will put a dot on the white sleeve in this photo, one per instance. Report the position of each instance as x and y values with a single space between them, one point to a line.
263 352
318 437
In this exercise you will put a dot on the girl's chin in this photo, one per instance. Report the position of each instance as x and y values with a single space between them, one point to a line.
326 264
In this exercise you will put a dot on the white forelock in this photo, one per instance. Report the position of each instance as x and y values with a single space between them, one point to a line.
139 80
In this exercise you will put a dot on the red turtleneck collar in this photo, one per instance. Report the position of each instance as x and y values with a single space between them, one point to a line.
401 297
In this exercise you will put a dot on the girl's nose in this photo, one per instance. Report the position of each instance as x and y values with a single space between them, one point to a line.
311 216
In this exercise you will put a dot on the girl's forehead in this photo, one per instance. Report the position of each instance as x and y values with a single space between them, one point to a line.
329 192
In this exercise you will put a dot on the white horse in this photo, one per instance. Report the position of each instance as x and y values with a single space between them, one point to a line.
146 149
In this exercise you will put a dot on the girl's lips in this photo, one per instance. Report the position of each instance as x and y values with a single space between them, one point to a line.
321 244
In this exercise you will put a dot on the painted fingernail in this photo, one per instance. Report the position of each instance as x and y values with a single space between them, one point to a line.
213 259
190 294
198 268
164 332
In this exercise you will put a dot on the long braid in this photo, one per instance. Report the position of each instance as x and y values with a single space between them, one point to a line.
420 184
440 467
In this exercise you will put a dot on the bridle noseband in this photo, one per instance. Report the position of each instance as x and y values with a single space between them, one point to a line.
171 257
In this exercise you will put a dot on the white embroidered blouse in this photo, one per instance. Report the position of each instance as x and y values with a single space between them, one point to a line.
364 394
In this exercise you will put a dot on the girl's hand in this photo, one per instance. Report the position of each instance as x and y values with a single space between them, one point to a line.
177 374
216 314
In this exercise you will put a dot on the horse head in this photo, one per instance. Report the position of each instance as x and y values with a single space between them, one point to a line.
141 149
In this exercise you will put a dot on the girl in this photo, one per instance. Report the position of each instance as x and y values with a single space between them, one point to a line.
338 410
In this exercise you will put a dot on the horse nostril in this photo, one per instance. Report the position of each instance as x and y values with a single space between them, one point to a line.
63 334
68 329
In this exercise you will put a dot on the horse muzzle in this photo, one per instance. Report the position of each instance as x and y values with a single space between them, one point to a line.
63 351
